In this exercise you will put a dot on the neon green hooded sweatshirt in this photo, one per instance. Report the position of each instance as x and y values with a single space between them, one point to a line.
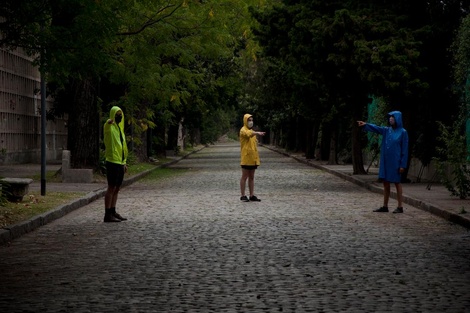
248 144
114 138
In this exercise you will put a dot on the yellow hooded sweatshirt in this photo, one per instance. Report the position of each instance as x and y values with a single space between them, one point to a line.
114 138
248 144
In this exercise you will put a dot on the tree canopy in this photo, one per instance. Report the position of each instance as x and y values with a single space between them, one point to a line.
163 61
335 55
307 69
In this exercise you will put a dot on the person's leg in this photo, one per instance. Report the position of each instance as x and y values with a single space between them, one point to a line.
399 194
384 208
115 196
109 204
251 182
120 170
399 208
114 176
113 207
245 174
108 197
386 193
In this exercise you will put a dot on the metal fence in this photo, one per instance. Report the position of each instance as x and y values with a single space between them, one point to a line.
20 109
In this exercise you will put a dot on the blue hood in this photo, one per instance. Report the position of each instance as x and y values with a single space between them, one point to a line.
397 116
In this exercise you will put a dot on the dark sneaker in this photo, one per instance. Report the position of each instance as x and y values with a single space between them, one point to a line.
119 217
109 218
254 198
398 210
381 209
244 198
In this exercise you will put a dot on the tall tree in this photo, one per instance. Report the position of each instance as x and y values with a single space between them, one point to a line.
68 39
166 60
347 50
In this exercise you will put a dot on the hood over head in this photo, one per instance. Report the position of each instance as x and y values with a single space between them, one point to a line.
245 119
398 118
112 114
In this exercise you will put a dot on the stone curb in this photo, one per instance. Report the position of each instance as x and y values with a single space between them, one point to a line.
425 206
14 231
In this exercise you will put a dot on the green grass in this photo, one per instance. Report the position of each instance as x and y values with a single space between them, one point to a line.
33 204
51 176
140 167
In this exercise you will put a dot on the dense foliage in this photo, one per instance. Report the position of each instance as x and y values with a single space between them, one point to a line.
333 56
164 62
309 72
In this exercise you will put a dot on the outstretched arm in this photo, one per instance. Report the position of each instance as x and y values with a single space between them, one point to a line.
368 127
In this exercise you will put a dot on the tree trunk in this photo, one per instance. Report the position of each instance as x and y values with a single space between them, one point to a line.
158 139
312 138
357 159
83 125
300 130
195 136
172 137
290 135
332 160
181 141
325 142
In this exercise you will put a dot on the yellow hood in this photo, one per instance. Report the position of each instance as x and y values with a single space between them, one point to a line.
245 119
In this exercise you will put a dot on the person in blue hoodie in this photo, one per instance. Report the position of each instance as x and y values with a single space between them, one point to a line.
393 156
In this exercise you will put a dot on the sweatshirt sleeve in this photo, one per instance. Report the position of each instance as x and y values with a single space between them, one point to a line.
374 128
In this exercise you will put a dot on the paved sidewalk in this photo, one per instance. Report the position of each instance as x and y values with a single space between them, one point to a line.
436 200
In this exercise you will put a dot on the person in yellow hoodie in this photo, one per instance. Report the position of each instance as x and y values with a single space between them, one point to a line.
249 157
116 157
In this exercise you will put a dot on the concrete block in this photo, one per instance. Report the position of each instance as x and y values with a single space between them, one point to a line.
65 159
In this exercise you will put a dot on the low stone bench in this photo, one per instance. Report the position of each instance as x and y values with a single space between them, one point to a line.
15 188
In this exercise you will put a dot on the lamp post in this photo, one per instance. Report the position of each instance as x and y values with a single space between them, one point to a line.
43 125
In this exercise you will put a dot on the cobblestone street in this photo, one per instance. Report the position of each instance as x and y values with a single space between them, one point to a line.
312 244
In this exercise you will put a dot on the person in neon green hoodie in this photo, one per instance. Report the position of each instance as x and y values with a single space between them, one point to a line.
116 157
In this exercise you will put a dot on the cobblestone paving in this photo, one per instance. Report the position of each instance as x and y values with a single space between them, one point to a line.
312 245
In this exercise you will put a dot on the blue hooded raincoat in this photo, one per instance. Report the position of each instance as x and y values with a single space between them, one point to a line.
394 149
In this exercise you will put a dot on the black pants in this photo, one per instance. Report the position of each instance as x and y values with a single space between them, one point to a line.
114 174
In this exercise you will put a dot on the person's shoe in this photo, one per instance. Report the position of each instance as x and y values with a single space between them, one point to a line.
244 198
381 209
398 210
254 198
110 218
113 212
119 217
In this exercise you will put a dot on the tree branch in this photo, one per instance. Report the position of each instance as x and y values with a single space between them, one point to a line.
151 21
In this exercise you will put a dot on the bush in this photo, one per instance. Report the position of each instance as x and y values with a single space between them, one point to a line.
452 166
